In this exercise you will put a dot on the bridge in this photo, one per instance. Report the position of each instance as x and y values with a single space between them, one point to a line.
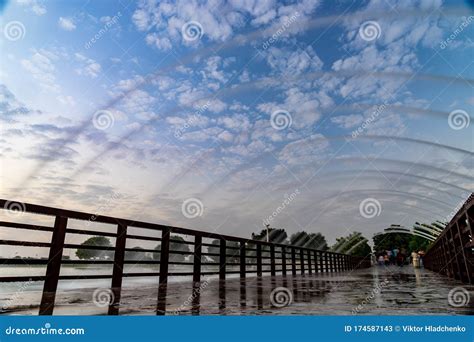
236 276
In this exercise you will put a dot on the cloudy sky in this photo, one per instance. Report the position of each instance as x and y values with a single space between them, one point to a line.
325 116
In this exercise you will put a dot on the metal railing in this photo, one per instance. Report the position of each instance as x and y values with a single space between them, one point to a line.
252 256
451 253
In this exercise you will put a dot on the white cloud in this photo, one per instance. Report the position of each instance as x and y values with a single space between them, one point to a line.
89 67
42 69
35 6
66 24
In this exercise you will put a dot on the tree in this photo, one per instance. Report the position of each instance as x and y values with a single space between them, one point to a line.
274 235
234 253
174 246
353 244
95 253
390 241
313 240
407 241
137 255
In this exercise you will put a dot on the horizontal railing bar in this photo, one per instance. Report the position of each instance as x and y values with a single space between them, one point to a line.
89 232
141 237
24 243
105 276
7 224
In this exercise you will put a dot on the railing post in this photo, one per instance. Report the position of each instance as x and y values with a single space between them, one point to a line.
302 260
54 266
315 257
326 259
222 259
197 259
164 266
242 259
283 261
259 259
310 270
117 273
272 260
293 261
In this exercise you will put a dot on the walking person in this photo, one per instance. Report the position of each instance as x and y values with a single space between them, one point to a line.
381 261
415 259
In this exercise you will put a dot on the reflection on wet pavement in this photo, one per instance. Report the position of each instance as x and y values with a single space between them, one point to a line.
373 291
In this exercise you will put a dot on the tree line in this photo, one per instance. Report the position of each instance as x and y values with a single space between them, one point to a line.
353 244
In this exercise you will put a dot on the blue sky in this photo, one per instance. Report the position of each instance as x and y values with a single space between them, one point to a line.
135 108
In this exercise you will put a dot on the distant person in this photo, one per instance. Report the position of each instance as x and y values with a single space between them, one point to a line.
400 259
415 259
421 255
386 259
395 252
381 260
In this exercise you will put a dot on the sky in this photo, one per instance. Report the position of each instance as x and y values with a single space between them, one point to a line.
323 116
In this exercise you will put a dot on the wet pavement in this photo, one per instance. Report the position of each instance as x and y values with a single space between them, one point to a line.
373 291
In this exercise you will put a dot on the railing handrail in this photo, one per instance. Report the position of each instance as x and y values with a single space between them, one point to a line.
83 216
466 205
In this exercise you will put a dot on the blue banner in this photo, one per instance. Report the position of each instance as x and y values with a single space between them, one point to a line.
238 328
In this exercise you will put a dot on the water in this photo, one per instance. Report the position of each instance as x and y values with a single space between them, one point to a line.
373 291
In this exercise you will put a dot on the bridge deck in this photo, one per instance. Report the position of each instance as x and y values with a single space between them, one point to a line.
378 291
